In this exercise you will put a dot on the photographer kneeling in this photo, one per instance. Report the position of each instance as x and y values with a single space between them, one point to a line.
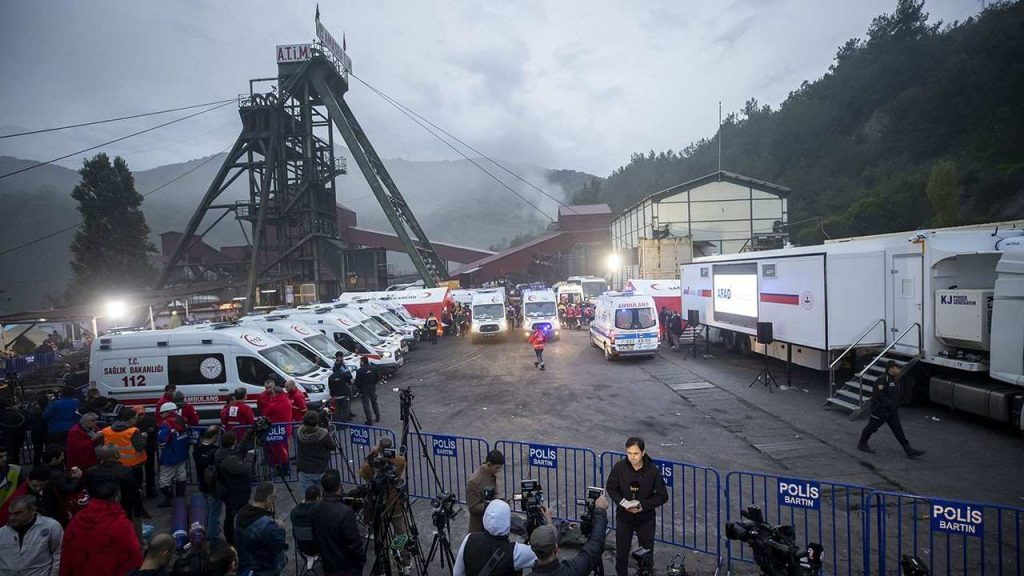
544 543
491 553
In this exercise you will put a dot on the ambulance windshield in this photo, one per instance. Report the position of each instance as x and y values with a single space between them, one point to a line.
634 318
289 361
325 345
540 309
376 327
488 312
365 335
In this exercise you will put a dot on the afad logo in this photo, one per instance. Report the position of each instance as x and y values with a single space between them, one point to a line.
300 330
254 339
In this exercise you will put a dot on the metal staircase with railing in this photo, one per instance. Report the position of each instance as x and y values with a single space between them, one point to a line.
854 394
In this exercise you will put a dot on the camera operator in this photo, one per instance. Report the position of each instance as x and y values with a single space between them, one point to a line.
635 481
234 462
492 549
315 445
544 543
335 531
391 470
481 488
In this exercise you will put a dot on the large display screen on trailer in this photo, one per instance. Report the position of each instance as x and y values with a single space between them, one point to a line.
735 294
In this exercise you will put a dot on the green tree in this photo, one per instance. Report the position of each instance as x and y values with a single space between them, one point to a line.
110 251
944 193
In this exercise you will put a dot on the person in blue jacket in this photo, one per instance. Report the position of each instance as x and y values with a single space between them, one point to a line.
60 415
259 536
173 441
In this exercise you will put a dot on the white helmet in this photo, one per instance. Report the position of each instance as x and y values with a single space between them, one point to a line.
168 407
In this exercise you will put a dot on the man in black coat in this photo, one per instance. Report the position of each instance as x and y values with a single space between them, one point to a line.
335 532
366 382
234 466
636 487
885 410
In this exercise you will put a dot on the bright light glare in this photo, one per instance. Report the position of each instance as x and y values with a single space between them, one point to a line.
116 309
613 262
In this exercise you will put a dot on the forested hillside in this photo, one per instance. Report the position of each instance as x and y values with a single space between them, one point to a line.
917 124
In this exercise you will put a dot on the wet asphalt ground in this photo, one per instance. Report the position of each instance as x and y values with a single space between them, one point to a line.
696 410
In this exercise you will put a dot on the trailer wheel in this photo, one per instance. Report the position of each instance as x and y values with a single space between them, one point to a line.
742 344
729 340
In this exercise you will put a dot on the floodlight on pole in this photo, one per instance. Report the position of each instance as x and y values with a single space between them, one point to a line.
613 262
116 309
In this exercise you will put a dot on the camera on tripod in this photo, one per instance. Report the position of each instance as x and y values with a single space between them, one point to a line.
444 508
587 518
383 463
531 501
774 547
261 426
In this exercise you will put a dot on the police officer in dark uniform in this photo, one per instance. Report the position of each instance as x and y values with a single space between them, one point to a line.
885 410
366 382
340 387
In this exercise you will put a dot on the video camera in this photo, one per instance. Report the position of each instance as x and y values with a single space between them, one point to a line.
531 501
444 509
644 561
587 518
261 426
383 463
774 547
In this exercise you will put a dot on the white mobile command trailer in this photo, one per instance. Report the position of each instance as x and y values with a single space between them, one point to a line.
947 304
206 363
625 324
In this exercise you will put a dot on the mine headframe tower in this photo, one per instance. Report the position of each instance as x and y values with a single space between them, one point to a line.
286 151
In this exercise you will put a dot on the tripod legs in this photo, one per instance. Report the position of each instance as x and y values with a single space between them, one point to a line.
765 377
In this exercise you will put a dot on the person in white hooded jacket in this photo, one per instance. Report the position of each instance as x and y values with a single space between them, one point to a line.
478 547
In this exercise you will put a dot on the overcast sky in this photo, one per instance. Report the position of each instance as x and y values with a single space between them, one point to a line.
562 84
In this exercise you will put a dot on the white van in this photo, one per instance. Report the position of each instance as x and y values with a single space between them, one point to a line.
206 364
488 314
303 338
540 309
625 324
382 314
569 293
352 335
373 325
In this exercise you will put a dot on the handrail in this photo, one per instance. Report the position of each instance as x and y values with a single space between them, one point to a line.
858 340
920 344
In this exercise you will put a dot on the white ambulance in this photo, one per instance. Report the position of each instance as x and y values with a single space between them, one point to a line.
382 314
303 338
383 332
488 314
206 364
540 310
625 324
352 335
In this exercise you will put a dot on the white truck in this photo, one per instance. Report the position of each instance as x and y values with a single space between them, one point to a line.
488 314
591 286
206 362
540 310
947 304
625 324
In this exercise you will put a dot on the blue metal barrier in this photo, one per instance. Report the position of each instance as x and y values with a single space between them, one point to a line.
949 537
354 443
691 518
564 473
829 513
455 459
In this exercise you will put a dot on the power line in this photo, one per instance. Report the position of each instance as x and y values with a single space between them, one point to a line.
413 116
457 139
26 169
72 227
118 119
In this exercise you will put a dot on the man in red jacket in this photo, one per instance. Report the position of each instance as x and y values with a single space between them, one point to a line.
237 413
537 340
188 413
80 451
297 397
263 399
100 540
279 411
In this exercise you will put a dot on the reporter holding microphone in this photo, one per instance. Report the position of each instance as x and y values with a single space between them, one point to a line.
636 488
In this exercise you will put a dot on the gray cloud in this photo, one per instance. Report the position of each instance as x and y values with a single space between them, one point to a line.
578 84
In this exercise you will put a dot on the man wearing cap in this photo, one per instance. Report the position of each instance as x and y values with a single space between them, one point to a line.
544 543
492 546
173 440
885 410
